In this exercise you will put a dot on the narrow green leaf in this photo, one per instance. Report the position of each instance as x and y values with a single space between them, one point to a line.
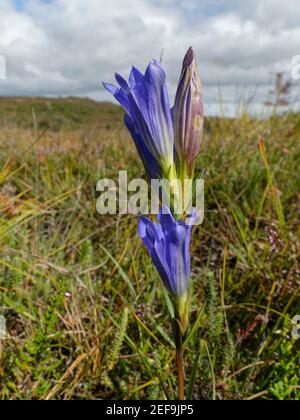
189 395
169 303
214 393
121 271
153 372
195 327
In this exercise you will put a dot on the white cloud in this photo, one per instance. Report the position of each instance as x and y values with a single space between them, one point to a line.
66 47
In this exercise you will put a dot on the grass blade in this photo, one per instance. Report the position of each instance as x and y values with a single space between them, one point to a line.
189 395
195 327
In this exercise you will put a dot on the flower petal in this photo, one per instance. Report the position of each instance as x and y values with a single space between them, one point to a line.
120 95
135 77
151 165
166 220
122 82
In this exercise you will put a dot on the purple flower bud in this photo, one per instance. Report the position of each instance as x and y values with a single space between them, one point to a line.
188 115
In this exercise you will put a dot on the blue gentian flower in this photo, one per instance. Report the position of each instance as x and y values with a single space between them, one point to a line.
148 116
168 244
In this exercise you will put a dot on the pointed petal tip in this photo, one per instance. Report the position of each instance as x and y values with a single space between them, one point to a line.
142 226
192 217
165 210
166 218
189 57
155 65
141 229
110 87
121 81
135 76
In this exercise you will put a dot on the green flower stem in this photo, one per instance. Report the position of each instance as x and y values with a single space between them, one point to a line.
181 325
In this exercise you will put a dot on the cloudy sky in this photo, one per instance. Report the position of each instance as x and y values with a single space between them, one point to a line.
66 47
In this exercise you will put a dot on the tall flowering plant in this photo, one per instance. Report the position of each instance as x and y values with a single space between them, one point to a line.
168 143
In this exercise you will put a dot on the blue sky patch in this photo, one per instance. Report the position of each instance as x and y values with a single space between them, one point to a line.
20 5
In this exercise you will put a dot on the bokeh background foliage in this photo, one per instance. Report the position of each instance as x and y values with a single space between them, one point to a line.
85 312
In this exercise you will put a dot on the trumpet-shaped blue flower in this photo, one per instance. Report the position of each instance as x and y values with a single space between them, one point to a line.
168 244
148 116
